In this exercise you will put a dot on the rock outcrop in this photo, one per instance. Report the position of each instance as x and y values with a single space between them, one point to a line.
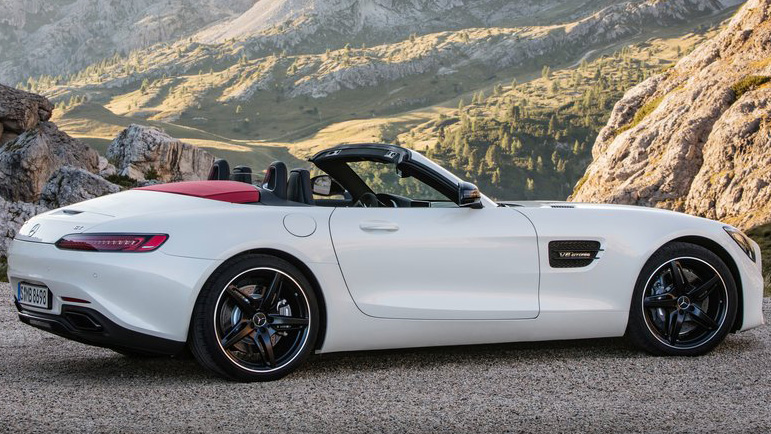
21 111
70 185
696 138
146 153
27 162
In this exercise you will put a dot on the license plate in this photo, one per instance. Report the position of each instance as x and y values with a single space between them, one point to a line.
34 295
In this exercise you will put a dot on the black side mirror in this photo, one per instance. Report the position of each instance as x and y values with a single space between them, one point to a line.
324 185
469 196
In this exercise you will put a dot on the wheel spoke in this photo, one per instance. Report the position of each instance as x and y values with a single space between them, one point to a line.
266 347
660 300
271 292
279 322
704 290
236 334
241 300
677 277
701 318
674 325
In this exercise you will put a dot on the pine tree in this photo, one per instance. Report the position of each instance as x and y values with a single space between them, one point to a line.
552 124
492 156
144 87
546 72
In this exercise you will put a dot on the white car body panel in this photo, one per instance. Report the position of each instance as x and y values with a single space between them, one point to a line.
390 289
438 263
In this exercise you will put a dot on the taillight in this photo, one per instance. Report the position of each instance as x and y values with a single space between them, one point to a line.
112 242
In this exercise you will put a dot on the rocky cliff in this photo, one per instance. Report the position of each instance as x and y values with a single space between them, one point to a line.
696 138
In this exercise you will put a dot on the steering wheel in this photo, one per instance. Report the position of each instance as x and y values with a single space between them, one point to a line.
367 200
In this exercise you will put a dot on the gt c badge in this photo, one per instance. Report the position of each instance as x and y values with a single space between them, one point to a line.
33 230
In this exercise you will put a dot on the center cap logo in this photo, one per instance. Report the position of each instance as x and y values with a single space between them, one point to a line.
259 319
683 302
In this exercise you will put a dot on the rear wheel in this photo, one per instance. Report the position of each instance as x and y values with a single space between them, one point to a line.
256 320
685 302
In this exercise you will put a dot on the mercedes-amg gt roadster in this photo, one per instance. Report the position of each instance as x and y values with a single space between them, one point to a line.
382 248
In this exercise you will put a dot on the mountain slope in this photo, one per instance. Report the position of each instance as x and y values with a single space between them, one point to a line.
696 138
321 24
224 89
55 37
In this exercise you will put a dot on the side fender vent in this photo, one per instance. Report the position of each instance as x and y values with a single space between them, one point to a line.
573 253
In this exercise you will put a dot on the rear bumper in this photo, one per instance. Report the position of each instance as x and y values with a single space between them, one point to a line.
91 327
151 294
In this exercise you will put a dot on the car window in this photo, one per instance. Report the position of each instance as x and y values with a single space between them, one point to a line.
384 178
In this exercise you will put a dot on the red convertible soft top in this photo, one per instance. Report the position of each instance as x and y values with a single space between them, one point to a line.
225 191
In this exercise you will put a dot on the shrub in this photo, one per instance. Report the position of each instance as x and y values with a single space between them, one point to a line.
122 180
642 112
151 174
748 83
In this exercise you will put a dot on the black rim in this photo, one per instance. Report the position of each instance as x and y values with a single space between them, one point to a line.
262 319
685 303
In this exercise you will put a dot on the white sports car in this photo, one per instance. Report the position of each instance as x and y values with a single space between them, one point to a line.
383 249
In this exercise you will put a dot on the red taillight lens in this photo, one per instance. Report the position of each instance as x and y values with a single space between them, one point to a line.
112 242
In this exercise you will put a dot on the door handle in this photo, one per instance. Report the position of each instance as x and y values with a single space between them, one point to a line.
379 226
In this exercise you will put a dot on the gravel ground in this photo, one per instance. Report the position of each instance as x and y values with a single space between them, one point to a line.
50 384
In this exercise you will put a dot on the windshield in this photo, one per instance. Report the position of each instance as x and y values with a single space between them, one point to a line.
384 178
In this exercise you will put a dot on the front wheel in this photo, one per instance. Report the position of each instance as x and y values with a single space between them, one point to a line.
684 303
255 320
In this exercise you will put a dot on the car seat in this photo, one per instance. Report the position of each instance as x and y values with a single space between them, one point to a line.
299 186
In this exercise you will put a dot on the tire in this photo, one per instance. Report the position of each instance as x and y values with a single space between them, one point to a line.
684 302
256 319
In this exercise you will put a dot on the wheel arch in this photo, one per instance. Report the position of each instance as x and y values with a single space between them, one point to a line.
316 286
723 254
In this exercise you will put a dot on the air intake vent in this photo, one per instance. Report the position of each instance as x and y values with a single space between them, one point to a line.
563 206
572 253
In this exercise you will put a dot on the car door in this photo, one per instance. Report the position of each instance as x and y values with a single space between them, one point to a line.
438 263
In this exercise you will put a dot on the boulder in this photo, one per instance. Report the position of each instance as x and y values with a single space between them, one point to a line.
146 153
70 185
27 162
21 111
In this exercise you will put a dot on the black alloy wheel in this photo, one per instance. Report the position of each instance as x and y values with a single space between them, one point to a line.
685 302
261 325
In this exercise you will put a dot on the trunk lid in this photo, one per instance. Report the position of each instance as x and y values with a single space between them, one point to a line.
50 226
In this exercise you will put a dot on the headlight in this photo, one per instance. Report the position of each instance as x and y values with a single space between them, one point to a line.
742 240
